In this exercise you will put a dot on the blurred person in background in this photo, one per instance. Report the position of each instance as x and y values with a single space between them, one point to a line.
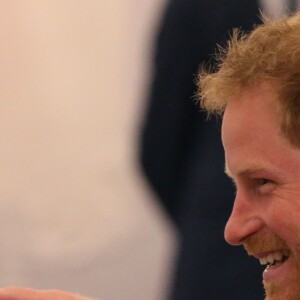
74 215
182 155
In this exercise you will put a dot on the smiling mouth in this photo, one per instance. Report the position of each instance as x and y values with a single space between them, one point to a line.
275 259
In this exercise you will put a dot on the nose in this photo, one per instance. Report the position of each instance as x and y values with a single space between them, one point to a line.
243 222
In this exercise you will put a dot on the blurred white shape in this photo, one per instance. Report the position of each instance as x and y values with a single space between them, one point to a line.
73 212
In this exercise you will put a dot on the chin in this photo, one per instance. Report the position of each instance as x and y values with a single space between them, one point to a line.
277 291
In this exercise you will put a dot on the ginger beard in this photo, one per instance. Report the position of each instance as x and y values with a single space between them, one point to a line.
286 288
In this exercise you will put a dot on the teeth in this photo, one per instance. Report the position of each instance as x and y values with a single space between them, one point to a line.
276 256
270 258
263 261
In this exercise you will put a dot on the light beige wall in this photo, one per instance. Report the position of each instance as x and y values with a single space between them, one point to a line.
74 213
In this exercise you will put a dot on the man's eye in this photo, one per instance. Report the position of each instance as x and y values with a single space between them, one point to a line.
264 186
263 181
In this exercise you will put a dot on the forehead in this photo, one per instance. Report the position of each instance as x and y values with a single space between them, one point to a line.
251 114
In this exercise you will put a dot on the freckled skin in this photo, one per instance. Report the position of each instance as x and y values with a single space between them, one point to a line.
265 211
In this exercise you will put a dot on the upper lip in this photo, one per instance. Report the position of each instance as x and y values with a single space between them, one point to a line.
260 255
264 254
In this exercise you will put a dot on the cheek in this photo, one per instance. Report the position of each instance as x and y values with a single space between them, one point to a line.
283 219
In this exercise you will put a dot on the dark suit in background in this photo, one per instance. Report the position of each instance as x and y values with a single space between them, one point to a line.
182 155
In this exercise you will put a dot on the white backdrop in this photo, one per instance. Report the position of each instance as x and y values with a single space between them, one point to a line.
74 212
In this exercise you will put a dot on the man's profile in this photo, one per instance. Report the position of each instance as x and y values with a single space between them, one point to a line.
257 91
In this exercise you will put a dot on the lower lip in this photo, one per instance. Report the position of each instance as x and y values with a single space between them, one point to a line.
277 272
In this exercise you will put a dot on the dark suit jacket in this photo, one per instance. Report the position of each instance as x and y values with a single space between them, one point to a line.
182 155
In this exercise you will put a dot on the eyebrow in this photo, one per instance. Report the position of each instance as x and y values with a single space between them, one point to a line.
251 170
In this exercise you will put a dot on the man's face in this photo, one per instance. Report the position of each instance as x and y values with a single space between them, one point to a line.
266 170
